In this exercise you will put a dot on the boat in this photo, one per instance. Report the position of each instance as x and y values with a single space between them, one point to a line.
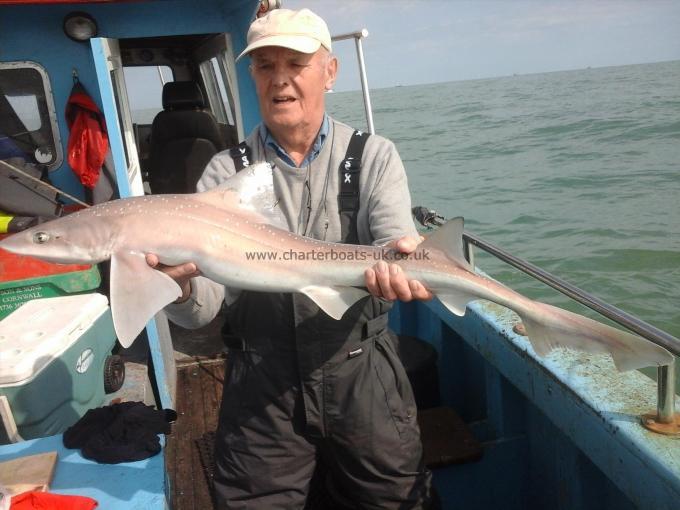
502 427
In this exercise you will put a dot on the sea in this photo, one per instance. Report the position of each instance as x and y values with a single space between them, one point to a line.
577 172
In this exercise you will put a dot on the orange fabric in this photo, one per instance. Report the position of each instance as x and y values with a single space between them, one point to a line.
34 500
88 141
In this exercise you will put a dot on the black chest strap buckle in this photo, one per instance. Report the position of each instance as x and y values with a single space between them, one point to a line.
241 154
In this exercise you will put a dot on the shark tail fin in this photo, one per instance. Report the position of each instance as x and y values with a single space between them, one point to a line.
549 327
448 239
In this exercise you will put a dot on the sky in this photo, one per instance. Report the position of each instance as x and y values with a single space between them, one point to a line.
428 41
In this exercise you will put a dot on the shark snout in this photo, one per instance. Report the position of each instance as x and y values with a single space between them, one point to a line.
40 243
14 243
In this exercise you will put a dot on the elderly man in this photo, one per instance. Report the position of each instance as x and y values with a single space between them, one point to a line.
301 386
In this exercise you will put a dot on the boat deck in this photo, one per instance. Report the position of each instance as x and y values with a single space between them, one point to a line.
189 449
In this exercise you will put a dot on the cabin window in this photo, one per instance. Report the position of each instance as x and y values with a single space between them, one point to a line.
214 73
28 121
145 90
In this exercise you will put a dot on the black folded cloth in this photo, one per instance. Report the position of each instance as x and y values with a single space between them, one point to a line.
122 432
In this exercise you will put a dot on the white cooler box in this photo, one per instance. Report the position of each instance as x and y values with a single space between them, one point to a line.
53 353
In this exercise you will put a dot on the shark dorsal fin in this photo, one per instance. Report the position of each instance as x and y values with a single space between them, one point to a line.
250 192
448 239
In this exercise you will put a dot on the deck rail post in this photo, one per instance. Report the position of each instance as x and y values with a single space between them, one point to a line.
666 420
665 408
358 36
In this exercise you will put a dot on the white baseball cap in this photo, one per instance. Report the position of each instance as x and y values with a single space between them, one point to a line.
301 31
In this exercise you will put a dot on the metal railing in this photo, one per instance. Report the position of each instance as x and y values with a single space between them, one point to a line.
665 412
665 374
358 36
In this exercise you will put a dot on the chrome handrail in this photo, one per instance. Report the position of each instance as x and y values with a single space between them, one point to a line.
665 408
626 320
357 36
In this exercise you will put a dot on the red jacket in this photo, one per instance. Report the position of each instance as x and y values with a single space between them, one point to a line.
88 141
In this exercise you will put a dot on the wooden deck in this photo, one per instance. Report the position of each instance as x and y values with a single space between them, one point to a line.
199 390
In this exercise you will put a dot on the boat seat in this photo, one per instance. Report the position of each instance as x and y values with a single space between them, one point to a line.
184 137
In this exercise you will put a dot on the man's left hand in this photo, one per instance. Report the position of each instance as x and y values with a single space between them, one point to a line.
388 281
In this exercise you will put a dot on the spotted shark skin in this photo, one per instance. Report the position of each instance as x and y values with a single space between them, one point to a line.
236 236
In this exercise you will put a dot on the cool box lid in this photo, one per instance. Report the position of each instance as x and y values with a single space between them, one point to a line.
39 331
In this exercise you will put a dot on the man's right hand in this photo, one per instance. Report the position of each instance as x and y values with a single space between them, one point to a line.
182 274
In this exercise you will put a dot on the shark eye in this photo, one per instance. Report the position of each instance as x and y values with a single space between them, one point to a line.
41 237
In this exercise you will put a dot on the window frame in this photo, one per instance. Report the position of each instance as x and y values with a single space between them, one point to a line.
49 100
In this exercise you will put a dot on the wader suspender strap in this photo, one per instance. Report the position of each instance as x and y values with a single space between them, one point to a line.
241 156
348 196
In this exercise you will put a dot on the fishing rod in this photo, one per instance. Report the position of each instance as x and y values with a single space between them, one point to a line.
42 183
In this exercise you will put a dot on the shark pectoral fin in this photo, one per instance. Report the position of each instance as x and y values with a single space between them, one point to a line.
138 292
457 302
334 300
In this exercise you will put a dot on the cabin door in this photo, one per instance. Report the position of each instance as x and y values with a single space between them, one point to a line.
109 68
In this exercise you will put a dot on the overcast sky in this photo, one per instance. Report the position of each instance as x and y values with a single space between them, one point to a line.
427 41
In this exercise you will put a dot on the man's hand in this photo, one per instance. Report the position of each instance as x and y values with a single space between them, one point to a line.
182 274
388 280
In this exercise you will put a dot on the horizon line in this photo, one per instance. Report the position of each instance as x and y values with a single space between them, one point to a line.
335 91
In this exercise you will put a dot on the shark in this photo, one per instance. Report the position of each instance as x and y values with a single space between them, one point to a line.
236 236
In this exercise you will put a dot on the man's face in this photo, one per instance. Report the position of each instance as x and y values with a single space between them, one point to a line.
291 85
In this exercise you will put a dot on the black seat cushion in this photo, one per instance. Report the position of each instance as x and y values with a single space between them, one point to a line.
182 95
183 139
